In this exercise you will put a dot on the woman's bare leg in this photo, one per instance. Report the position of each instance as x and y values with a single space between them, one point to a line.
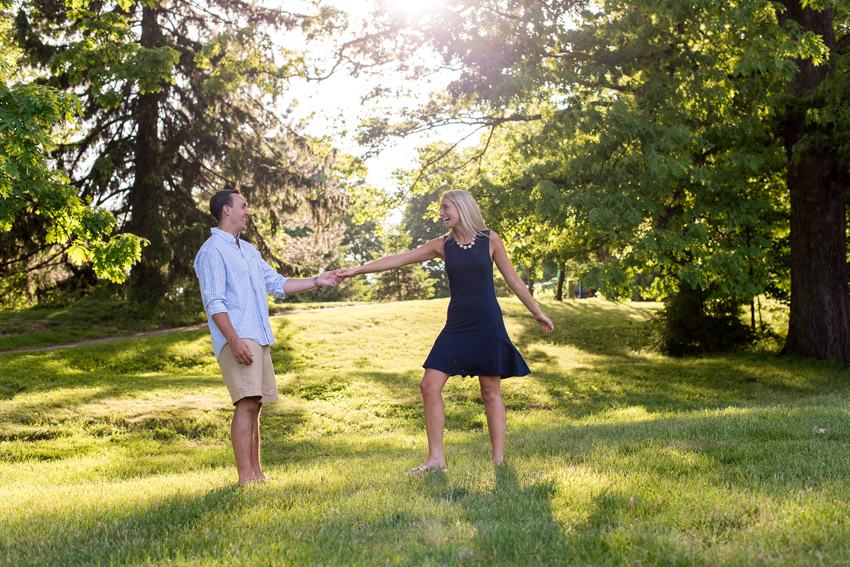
435 418
497 417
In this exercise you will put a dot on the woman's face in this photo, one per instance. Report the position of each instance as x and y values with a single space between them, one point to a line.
449 214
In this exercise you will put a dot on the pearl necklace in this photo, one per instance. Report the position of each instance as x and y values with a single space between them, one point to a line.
466 246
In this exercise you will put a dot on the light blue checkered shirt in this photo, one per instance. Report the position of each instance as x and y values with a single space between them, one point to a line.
235 279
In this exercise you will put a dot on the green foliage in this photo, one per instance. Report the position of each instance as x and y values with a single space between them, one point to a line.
419 222
177 102
693 323
30 114
363 241
405 283
641 137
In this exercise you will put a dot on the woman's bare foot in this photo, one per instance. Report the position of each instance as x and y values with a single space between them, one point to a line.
428 466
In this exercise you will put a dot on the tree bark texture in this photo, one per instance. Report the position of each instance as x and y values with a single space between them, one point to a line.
146 198
819 325
559 291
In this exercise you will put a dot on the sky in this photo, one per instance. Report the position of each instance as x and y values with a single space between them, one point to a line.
334 105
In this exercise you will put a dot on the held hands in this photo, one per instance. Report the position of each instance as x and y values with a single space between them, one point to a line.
347 273
330 279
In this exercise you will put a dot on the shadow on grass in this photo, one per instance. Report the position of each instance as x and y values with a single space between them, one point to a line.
511 521
590 326
106 536
745 442
136 364
98 364
69 403
506 517
611 373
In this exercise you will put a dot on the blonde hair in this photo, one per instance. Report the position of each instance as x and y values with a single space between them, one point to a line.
467 208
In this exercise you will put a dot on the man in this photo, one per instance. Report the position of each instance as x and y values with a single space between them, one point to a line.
235 282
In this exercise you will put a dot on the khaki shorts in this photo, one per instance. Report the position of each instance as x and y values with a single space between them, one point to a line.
244 381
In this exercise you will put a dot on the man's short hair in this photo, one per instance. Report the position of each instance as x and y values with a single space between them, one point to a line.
219 200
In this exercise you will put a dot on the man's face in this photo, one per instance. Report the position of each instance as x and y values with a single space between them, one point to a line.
238 211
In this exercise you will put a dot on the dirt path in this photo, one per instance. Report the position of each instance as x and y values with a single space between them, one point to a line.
147 334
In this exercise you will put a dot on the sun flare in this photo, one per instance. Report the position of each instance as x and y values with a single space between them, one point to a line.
414 7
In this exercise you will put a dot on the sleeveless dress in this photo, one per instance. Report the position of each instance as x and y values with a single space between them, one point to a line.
474 341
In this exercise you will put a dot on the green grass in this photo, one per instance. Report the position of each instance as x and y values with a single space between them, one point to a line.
118 453
94 318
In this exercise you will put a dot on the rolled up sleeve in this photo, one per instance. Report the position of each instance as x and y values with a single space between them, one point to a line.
212 276
274 281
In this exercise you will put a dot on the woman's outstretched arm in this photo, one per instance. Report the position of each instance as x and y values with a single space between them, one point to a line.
500 256
428 251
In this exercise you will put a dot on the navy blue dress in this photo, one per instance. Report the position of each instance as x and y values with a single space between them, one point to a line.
474 341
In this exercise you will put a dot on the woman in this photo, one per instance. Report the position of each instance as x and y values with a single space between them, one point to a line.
474 341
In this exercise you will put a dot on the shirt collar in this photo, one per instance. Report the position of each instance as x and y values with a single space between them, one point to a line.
225 235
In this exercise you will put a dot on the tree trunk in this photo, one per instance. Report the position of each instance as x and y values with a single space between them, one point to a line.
146 197
819 325
559 291
530 272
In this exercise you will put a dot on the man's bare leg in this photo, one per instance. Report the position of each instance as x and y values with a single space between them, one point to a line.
497 417
245 418
435 419
256 468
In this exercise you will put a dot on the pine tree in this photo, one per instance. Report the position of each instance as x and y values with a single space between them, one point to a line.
405 283
178 102
420 224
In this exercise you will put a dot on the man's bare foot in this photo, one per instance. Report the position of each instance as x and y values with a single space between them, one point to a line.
428 466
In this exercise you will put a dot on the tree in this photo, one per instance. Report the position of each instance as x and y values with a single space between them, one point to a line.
361 242
405 283
440 167
177 102
33 194
815 127
669 131
419 223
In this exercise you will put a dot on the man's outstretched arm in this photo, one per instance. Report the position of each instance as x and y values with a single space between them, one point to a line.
297 285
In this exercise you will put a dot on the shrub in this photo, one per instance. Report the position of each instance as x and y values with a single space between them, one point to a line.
692 322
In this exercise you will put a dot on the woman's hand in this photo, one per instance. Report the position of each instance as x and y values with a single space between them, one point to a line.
346 273
545 323
329 279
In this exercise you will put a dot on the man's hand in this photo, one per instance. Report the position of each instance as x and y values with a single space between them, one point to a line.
330 279
241 353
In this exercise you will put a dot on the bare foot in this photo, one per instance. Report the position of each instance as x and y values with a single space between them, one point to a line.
428 466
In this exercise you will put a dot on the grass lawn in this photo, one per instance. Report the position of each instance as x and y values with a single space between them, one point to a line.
118 453
94 318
